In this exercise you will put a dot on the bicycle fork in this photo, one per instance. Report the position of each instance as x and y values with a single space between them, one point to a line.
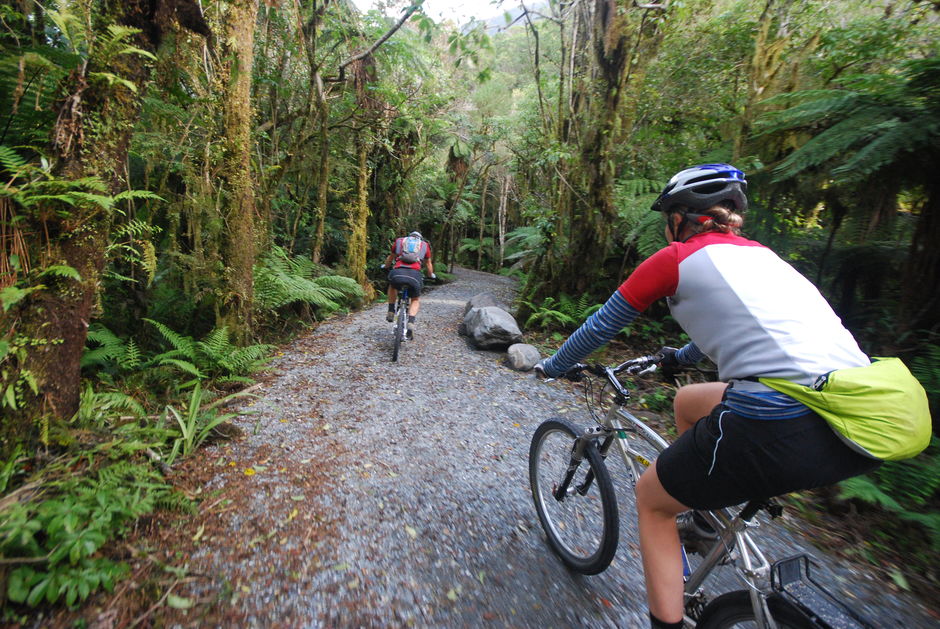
577 456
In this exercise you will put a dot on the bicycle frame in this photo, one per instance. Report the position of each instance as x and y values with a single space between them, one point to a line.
404 300
734 545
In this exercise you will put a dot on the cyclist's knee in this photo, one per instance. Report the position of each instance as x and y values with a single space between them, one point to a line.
694 401
652 497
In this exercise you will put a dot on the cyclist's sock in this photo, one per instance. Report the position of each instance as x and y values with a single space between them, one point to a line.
391 306
656 623
411 318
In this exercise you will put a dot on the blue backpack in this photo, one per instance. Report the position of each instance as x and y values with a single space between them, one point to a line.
410 250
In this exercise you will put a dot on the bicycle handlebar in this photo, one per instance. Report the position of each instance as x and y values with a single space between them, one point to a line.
634 367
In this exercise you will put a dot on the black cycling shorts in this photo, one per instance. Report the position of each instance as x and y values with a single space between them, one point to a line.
412 278
726 459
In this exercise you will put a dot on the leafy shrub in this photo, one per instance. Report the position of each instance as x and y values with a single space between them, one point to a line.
213 357
195 423
58 527
281 280
564 312
904 488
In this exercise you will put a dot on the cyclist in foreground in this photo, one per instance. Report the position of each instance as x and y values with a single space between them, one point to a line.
755 316
408 253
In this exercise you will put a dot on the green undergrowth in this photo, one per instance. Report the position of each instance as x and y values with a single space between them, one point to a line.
149 399
64 504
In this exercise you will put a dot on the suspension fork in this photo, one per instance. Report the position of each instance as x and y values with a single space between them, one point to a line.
577 456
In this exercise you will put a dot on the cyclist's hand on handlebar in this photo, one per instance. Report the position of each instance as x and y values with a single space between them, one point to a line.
539 369
668 362
382 266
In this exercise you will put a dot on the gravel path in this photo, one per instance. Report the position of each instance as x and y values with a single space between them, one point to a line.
367 493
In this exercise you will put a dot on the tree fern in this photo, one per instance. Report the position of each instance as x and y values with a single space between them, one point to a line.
281 280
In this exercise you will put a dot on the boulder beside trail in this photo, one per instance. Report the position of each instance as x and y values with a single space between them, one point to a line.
481 300
491 327
522 356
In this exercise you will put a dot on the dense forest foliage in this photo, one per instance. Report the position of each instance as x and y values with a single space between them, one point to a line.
185 183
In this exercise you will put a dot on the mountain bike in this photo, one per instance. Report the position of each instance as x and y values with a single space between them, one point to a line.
576 503
402 304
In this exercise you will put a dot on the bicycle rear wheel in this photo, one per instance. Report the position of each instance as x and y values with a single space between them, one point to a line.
733 610
402 317
583 527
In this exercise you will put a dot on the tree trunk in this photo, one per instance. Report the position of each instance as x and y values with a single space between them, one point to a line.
357 217
47 330
239 206
920 300
765 65
486 180
323 174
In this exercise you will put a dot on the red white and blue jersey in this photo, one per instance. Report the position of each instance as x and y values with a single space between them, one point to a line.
743 306
747 309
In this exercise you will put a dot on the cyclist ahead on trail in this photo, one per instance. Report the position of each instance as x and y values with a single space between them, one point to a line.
755 316
408 254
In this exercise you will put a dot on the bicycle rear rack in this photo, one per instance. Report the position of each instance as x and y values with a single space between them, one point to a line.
792 580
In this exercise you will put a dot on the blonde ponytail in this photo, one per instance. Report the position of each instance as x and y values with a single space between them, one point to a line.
721 219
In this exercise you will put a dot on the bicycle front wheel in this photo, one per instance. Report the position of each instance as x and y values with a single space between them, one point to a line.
582 526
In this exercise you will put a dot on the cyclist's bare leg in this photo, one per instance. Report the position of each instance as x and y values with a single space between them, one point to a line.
414 307
695 401
392 294
659 546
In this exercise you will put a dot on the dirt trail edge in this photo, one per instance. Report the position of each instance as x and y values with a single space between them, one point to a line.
368 493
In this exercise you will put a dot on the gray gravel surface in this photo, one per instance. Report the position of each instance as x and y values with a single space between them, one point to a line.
397 494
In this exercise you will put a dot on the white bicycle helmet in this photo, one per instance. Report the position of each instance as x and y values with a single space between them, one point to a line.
416 234
701 187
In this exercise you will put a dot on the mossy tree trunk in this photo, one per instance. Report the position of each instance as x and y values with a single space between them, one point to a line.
47 330
357 216
239 203
622 41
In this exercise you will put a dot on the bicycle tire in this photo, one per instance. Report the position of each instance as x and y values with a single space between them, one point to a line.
733 610
583 529
399 330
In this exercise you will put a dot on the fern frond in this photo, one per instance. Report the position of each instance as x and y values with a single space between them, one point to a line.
215 345
184 344
184 366
891 138
138 194
812 107
10 160
837 140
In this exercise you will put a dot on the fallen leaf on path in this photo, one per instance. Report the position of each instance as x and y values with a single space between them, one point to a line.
178 602
411 531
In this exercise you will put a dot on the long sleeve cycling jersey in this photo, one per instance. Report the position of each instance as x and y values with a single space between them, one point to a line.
741 305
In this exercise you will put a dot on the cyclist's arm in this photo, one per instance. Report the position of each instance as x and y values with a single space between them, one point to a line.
690 354
389 259
602 326
429 266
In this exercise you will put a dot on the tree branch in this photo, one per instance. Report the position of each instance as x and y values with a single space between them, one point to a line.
381 40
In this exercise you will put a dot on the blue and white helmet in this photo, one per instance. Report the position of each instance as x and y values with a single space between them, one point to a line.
415 234
701 187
